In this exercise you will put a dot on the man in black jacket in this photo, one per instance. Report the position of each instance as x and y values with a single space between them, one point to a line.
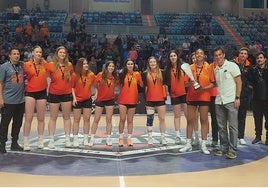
258 81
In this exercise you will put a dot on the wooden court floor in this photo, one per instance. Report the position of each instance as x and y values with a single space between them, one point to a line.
253 174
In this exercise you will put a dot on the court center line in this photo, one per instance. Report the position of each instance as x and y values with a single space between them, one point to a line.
122 181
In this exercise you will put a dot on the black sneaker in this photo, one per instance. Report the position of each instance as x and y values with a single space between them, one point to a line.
16 147
257 140
3 148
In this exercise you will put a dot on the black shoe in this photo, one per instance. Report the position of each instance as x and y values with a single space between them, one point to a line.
257 140
3 148
16 147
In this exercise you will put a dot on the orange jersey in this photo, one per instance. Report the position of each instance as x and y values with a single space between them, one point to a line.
177 86
60 84
154 89
205 78
129 92
105 88
36 75
82 86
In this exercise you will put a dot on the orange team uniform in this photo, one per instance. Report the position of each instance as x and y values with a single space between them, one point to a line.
129 92
36 76
82 86
213 91
177 86
60 84
105 88
205 78
154 90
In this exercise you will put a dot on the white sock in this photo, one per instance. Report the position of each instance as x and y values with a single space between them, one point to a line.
121 135
178 133
129 135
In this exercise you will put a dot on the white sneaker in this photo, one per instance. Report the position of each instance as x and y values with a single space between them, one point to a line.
26 146
85 141
91 142
179 141
40 143
51 144
242 141
68 143
187 147
163 141
150 140
109 141
75 142
204 149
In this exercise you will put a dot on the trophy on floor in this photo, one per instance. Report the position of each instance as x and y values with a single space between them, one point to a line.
186 68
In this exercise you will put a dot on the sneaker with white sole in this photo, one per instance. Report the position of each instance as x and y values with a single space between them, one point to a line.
205 150
150 140
40 143
68 143
186 148
91 142
163 141
242 141
109 141
51 144
179 141
26 146
75 142
85 142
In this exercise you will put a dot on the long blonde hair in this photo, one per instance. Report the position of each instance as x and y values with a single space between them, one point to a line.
159 76
56 62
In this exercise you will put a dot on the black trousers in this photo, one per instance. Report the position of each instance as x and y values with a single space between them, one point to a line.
214 123
260 109
14 112
242 115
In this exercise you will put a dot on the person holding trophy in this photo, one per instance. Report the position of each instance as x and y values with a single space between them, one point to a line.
198 98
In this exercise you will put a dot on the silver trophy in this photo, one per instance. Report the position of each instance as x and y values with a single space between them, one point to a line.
186 68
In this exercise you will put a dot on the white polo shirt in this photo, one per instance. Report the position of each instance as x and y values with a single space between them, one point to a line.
225 79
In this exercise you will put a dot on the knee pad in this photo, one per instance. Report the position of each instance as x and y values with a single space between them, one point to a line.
150 118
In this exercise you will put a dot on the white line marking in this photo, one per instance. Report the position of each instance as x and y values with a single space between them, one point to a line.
122 182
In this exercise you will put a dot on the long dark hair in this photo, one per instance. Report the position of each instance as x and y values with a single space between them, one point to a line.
124 72
169 67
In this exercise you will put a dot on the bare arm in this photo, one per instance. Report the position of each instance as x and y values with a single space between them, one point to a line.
1 94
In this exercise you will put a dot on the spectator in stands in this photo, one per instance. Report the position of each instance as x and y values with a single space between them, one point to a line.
60 94
155 95
119 44
28 29
93 64
198 99
105 84
16 12
35 96
19 33
82 101
258 82
244 65
5 31
82 23
129 80
104 41
186 45
43 32
133 54
73 22
176 85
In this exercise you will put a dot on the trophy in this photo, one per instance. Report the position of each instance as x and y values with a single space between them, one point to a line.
186 68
